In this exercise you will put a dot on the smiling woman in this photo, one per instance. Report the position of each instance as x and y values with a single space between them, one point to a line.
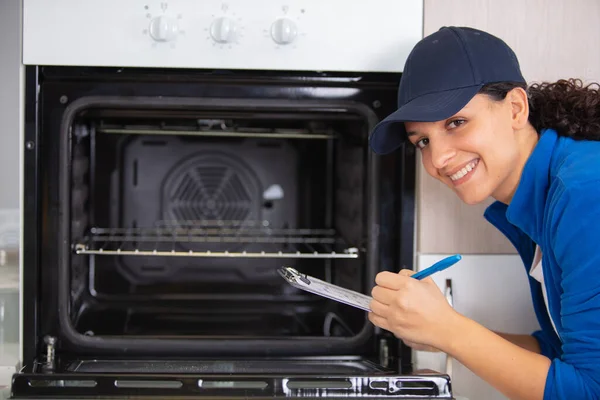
479 151
483 132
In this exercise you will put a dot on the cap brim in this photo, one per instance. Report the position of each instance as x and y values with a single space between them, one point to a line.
389 134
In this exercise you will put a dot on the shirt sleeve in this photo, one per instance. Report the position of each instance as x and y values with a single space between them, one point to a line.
574 235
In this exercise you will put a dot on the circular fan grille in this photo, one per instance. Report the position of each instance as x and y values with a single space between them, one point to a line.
211 187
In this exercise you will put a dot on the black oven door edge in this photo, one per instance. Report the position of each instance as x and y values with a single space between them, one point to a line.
74 385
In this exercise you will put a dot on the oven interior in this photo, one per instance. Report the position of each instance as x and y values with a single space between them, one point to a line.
180 218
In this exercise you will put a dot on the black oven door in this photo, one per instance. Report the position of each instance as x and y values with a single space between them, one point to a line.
232 379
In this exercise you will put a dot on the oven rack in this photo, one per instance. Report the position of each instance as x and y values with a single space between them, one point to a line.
246 239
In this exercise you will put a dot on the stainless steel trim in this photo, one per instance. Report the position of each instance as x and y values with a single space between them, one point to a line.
163 239
80 249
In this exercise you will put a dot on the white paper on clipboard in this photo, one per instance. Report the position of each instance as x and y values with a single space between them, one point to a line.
325 289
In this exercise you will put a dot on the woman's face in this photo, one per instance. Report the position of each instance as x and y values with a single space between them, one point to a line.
480 151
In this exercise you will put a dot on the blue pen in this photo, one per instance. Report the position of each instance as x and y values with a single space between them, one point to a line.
438 266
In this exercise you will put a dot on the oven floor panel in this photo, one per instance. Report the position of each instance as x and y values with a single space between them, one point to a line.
314 367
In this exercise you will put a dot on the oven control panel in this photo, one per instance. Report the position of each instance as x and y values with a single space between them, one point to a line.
318 35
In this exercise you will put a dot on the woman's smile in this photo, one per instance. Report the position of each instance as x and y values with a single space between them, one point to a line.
464 173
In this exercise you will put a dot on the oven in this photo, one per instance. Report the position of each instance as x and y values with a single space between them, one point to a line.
176 155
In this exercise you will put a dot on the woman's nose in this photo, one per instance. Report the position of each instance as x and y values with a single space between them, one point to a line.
441 153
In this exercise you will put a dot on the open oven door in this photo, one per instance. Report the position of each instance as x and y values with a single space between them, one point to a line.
232 379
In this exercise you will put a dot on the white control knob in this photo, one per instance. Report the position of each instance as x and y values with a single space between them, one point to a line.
284 31
163 29
223 30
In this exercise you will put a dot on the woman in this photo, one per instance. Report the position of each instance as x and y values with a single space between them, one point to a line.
464 104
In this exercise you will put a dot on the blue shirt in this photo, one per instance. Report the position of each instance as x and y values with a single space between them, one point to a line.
557 206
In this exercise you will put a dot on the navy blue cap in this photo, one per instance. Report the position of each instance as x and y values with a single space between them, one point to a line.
442 73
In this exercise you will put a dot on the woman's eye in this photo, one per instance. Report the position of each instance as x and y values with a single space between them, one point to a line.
422 143
456 123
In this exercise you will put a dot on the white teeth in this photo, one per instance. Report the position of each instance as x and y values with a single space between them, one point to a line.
468 168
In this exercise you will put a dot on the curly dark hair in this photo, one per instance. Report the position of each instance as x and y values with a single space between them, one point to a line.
567 106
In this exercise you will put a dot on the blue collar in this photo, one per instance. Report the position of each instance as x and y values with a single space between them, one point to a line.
526 210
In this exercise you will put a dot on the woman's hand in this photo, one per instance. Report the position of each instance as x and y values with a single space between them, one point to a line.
414 310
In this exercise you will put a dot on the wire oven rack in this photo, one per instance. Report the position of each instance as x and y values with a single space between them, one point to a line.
248 239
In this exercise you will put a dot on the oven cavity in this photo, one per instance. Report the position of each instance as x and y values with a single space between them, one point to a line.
180 218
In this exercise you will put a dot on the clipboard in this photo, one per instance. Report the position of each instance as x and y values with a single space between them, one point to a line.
325 289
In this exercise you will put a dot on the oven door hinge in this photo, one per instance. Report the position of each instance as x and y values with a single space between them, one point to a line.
49 356
384 353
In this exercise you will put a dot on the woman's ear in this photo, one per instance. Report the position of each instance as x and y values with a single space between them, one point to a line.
519 107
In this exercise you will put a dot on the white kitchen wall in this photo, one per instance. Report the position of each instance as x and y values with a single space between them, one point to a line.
10 156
